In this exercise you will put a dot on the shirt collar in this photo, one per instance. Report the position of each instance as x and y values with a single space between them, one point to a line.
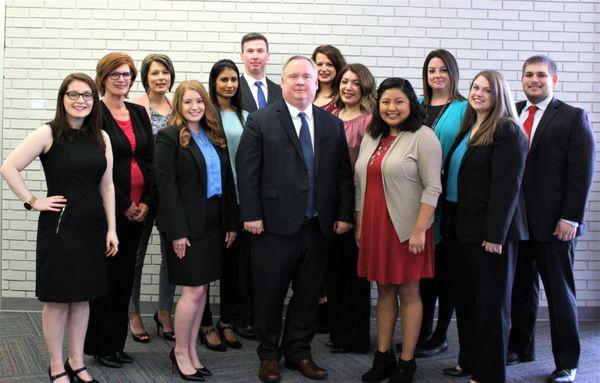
541 105
251 80
294 111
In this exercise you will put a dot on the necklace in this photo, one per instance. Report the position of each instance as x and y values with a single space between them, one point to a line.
440 113
384 145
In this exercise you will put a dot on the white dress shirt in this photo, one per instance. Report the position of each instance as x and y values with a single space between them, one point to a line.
254 88
294 112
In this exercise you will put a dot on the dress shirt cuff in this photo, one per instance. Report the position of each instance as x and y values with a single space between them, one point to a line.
574 224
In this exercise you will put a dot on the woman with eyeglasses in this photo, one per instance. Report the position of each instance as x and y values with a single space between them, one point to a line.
158 75
76 227
130 132
485 214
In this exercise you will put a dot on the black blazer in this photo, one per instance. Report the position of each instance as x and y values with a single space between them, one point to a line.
272 177
181 180
248 102
122 155
490 204
559 169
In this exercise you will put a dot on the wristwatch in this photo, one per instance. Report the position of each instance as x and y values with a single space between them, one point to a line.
29 204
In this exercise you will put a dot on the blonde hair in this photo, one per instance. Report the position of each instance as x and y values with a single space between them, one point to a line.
209 121
502 109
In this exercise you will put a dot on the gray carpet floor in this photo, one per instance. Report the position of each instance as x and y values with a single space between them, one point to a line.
23 358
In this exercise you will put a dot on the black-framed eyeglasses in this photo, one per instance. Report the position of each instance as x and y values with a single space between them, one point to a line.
73 95
116 75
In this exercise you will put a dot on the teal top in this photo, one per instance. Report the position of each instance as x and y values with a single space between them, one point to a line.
446 131
233 129
455 161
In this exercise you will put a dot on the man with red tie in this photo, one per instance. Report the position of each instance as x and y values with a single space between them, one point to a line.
556 183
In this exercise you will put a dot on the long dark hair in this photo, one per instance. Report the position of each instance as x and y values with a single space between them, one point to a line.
208 122
61 130
337 59
451 66
415 119
236 100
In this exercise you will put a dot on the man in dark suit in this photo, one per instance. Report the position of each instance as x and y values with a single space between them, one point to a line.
556 183
296 190
257 90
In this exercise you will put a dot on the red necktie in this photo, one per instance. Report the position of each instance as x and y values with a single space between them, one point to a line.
528 124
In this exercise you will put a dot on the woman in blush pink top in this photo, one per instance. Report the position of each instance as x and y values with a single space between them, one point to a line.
348 295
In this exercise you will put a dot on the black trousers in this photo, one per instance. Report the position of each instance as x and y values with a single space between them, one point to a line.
107 327
276 261
348 296
553 261
483 293
227 285
440 288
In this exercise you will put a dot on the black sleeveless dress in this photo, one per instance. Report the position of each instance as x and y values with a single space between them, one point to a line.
71 244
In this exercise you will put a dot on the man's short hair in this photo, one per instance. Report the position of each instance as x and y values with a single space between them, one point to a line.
541 59
254 36
300 57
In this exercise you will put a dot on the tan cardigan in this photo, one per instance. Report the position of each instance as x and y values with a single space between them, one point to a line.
411 172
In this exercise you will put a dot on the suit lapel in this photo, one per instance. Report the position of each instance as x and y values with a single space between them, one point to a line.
271 91
319 126
197 154
286 121
247 94
520 105
544 122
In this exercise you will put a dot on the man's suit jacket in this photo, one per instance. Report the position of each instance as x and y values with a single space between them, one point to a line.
490 204
248 102
272 176
122 155
559 169
182 182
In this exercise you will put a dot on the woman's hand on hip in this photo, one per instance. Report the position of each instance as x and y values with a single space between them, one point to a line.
52 203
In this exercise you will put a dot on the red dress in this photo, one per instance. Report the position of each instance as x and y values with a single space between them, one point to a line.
381 256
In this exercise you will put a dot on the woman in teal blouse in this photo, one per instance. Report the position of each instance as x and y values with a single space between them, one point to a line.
223 87
445 108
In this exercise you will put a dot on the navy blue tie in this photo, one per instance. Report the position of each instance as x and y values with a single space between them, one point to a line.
307 153
262 101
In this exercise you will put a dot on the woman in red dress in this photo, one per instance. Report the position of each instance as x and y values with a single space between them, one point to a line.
398 185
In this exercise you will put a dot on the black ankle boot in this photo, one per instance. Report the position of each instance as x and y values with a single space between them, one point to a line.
404 371
383 367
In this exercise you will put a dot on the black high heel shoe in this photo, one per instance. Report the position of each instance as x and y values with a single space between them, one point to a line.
57 376
198 377
167 335
211 346
221 328
74 374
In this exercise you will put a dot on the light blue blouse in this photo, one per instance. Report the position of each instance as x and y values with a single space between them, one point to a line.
455 161
213 164
233 132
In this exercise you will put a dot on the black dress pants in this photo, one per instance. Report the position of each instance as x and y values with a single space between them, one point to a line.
483 294
553 261
107 326
348 296
227 285
277 260
439 288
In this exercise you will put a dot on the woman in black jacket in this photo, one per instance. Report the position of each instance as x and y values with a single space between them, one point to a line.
485 214
197 215
132 144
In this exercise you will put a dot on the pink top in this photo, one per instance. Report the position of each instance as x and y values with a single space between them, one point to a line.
137 178
355 131
330 107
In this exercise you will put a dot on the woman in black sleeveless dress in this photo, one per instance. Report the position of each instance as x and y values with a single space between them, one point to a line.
76 228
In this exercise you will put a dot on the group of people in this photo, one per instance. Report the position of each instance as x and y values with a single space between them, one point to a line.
325 183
